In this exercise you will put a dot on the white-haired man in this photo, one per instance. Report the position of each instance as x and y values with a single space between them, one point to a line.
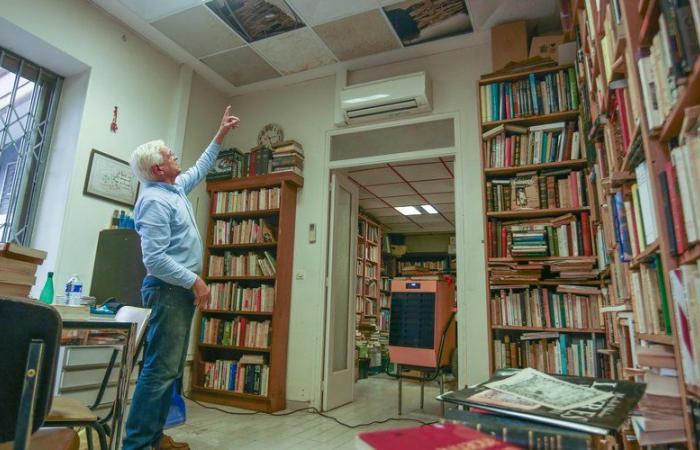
172 253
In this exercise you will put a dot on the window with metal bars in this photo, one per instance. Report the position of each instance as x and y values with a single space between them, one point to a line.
28 101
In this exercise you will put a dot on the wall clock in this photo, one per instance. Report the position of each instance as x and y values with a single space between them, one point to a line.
270 135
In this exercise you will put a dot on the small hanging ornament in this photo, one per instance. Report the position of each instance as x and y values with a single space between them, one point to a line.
113 126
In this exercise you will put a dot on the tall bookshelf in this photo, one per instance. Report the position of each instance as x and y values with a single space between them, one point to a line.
544 297
368 271
635 108
249 244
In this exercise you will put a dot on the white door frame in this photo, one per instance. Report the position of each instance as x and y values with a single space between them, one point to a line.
460 226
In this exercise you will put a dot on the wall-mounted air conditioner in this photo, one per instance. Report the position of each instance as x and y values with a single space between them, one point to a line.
390 97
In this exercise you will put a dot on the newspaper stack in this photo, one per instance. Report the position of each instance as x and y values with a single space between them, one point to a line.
588 405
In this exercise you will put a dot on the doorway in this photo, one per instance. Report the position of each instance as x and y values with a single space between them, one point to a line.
389 221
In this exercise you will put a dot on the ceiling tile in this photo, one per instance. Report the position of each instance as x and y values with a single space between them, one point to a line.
241 66
391 190
404 200
315 12
417 21
384 212
198 31
155 9
295 51
371 177
364 193
395 219
450 216
418 172
428 218
444 207
359 35
256 19
434 186
372 203
440 198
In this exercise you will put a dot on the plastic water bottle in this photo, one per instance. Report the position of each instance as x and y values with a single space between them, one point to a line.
74 290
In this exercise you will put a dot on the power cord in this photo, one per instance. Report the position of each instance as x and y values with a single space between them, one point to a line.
310 410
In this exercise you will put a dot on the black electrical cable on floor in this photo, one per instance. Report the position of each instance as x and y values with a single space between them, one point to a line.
310 410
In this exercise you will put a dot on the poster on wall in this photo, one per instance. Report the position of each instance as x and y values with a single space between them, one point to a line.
417 21
111 179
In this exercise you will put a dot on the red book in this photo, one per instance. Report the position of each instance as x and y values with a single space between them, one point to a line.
504 242
436 436
676 209
509 152
586 232
545 301
489 239
573 191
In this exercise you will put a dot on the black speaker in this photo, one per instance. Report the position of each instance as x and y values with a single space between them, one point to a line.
118 271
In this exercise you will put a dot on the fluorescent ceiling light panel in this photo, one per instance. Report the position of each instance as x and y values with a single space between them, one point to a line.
408 210
429 209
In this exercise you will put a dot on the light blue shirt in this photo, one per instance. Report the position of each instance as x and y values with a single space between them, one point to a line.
170 241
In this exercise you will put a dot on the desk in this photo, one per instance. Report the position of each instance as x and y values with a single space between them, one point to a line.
99 333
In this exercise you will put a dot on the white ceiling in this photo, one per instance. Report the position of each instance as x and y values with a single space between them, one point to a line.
330 35
413 183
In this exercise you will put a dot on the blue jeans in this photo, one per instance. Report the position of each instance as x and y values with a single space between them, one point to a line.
172 308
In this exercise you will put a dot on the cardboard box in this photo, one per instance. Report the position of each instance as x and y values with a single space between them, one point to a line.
508 44
566 53
546 46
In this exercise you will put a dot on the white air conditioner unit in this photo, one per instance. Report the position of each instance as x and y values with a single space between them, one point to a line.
390 97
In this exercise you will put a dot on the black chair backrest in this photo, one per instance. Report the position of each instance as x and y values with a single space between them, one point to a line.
22 320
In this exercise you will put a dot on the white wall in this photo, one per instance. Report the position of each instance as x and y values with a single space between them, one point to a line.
124 71
305 112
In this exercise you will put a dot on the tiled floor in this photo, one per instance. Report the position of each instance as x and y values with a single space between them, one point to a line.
375 399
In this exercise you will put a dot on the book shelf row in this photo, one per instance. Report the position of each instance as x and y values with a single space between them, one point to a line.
248 375
251 264
245 201
249 231
231 296
239 332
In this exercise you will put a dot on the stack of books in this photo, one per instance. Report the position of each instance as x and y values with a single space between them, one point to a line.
528 242
526 406
288 156
18 267
661 408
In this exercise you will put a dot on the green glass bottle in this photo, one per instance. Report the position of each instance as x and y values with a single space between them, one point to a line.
46 295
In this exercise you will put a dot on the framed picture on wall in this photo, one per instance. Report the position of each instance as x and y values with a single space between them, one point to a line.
110 178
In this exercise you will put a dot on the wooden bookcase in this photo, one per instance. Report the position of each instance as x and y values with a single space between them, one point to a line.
368 270
283 221
507 169
612 36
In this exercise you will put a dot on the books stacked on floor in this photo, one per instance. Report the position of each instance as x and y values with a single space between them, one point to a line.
571 412
252 231
18 267
534 95
239 332
555 307
249 375
245 200
231 296
514 146
551 189
251 264
661 410
288 156
567 235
